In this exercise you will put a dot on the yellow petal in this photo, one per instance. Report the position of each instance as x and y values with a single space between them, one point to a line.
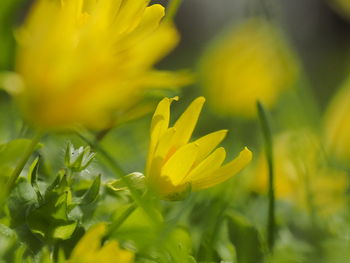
89 243
130 14
111 250
208 143
178 166
148 51
159 125
164 144
207 166
151 18
158 79
186 123
160 154
103 13
148 24
225 172
162 113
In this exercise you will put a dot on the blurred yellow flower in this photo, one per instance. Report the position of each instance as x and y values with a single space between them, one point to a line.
301 176
341 6
174 164
337 124
87 62
250 63
90 250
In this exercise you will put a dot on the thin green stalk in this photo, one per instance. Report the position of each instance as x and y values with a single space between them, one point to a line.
172 9
266 130
101 134
186 206
116 224
119 171
18 169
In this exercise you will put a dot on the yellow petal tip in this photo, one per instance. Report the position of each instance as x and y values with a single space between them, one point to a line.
247 153
200 100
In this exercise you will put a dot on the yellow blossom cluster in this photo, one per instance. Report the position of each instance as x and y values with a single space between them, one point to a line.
249 62
175 164
88 62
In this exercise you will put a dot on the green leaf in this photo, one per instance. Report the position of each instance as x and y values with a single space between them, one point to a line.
10 154
21 200
64 231
39 223
33 170
49 227
32 176
19 254
93 192
60 175
68 154
51 224
245 238
50 220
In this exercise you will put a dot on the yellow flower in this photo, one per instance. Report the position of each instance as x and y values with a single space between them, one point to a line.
90 250
88 62
337 124
302 176
341 6
174 164
250 63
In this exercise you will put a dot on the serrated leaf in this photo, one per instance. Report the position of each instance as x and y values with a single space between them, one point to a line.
50 220
60 175
245 238
93 192
60 209
49 227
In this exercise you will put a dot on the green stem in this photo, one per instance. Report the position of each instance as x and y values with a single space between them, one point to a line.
118 170
101 134
116 224
172 9
18 169
266 130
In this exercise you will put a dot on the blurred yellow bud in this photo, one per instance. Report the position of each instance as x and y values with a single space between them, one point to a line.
89 62
301 176
249 63
176 165
337 124
90 250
